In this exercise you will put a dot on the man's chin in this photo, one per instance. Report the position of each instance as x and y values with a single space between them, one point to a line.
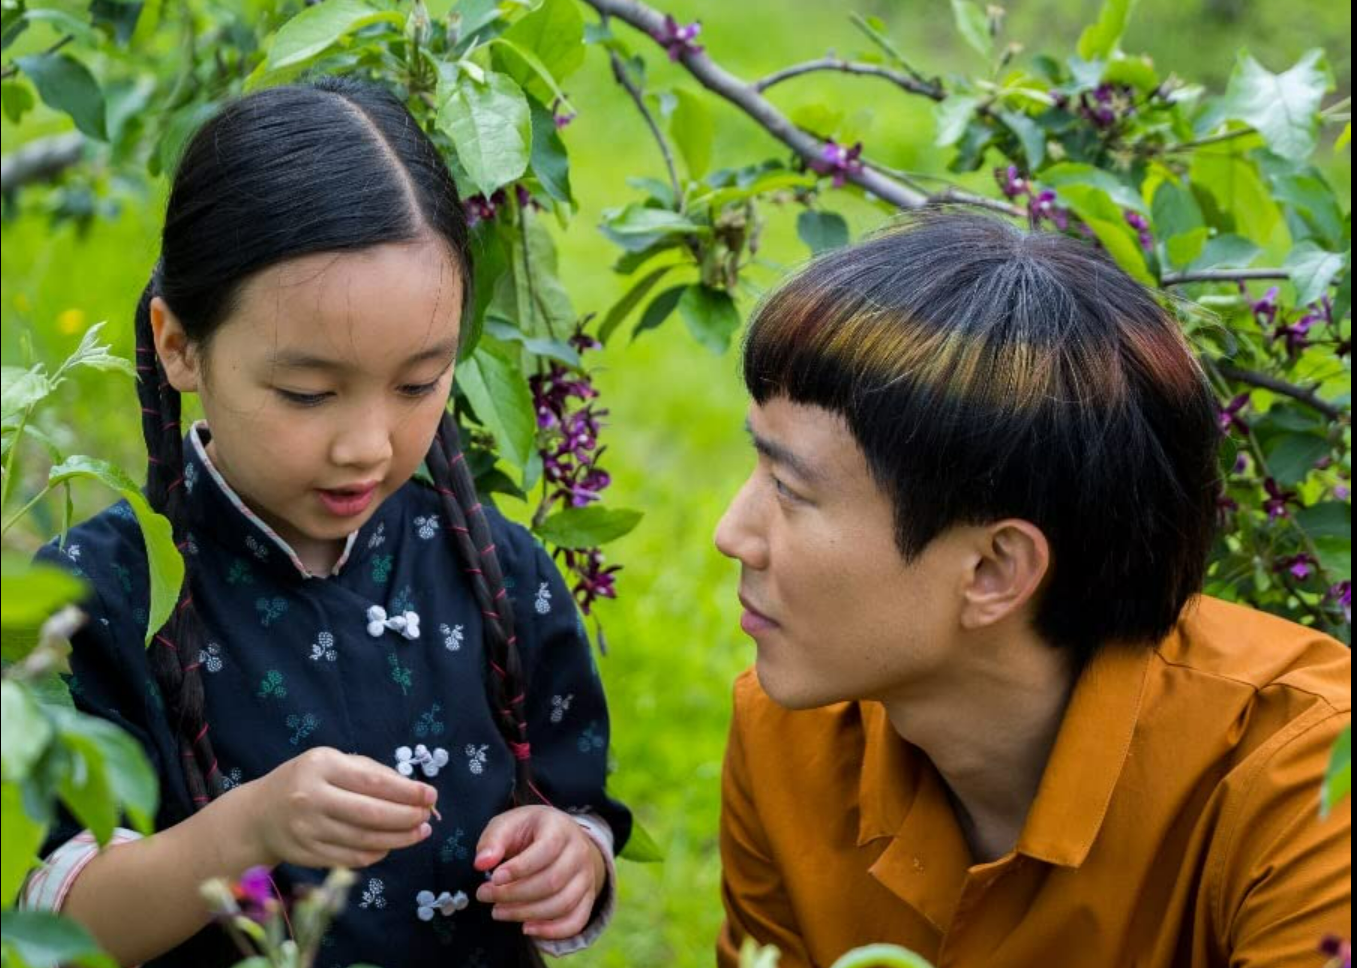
791 689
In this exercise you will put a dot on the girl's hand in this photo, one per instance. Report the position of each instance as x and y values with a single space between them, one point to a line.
548 871
325 808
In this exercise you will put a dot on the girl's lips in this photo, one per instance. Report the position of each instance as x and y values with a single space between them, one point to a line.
349 501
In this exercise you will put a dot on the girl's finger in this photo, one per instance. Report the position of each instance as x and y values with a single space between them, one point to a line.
549 908
547 847
371 813
505 836
560 929
358 774
364 839
544 883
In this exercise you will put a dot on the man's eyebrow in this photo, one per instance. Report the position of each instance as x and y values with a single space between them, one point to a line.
302 360
783 456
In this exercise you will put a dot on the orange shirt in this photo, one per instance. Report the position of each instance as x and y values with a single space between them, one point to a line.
1176 826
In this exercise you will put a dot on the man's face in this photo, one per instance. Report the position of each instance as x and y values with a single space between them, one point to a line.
835 610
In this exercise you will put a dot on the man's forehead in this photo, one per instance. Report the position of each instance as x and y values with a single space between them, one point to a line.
814 441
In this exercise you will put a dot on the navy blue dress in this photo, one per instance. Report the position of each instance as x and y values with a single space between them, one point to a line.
294 661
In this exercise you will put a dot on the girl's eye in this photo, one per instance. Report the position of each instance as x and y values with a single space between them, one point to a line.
420 389
302 399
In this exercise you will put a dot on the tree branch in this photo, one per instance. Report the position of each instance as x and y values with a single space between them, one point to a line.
1223 275
724 84
900 79
13 69
1277 385
623 78
40 160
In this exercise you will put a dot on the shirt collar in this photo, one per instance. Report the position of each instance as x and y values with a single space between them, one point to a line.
901 795
216 509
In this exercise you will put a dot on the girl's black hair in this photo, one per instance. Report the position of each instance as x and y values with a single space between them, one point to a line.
328 167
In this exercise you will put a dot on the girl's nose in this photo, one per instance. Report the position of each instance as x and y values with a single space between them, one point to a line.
739 535
364 441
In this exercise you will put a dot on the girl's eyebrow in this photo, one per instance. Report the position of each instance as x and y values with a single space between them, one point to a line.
302 360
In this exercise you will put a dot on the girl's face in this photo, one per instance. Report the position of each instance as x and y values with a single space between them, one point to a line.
324 387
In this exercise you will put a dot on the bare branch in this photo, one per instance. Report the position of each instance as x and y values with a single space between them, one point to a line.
721 82
1304 395
40 160
899 78
623 78
1222 275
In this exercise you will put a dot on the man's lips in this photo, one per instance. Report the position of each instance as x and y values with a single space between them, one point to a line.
754 621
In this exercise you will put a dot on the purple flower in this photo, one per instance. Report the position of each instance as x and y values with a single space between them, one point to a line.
1043 206
678 40
594 580
1341 492
1336 948
1277 499
839 161
1241 464
1265 309
255 894
482 209
562 118
1229 415
1142 227
1011 182
1341 595
1107 105
1300 566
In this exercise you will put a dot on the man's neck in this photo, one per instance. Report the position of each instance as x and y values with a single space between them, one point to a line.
989 729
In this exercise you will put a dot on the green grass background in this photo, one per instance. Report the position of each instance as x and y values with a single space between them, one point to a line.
676 447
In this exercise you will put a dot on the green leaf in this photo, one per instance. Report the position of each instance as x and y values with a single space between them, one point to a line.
1338 777
1233 180
1137 72
25 731
66 85
490 124
1080 176
96 356
64 23
129 775
953 116
1105 218
1101 38
165 564
588 527
1330 519
660 309
1345 138
1291 457
554 32
637 227
641 847
1312 270
1174 210
1185 248
498 391
17 100
34 593
554 349
45 940
1314 201
1283 108
693 131
633 298
549 160
1226 252
1030 135
23 837
711 316
822 231
20 389
973 25
318 27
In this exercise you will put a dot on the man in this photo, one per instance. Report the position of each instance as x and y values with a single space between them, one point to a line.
993 720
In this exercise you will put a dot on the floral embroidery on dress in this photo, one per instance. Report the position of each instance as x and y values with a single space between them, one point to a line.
209 657
543 601
124 576
453 637
429 724
239 573
72 551
190 476
257 547
272 686
560 705
232 778
454 847
302 726
476 758
426 526
374 894
378 537
404 600
270 609
400 674
590 741
323 649
381 568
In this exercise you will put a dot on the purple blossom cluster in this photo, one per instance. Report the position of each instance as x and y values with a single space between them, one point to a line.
839 161
1104 107
1341 595
569 422
1297 333
1142 227
1041 205
678 40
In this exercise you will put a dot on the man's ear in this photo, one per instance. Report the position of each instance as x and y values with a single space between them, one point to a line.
1012 559
177 353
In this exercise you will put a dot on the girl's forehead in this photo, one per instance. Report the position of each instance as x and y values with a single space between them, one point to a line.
364 309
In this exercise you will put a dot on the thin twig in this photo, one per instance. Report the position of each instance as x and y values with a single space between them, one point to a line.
1265 381
907 81
889 48
13 69
1223 275
721 82
623 78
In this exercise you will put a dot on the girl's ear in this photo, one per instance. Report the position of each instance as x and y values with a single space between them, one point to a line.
177 353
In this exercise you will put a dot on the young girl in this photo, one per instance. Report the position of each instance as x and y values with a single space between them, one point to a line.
362 670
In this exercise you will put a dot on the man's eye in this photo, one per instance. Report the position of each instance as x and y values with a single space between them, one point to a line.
302 399
783 490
